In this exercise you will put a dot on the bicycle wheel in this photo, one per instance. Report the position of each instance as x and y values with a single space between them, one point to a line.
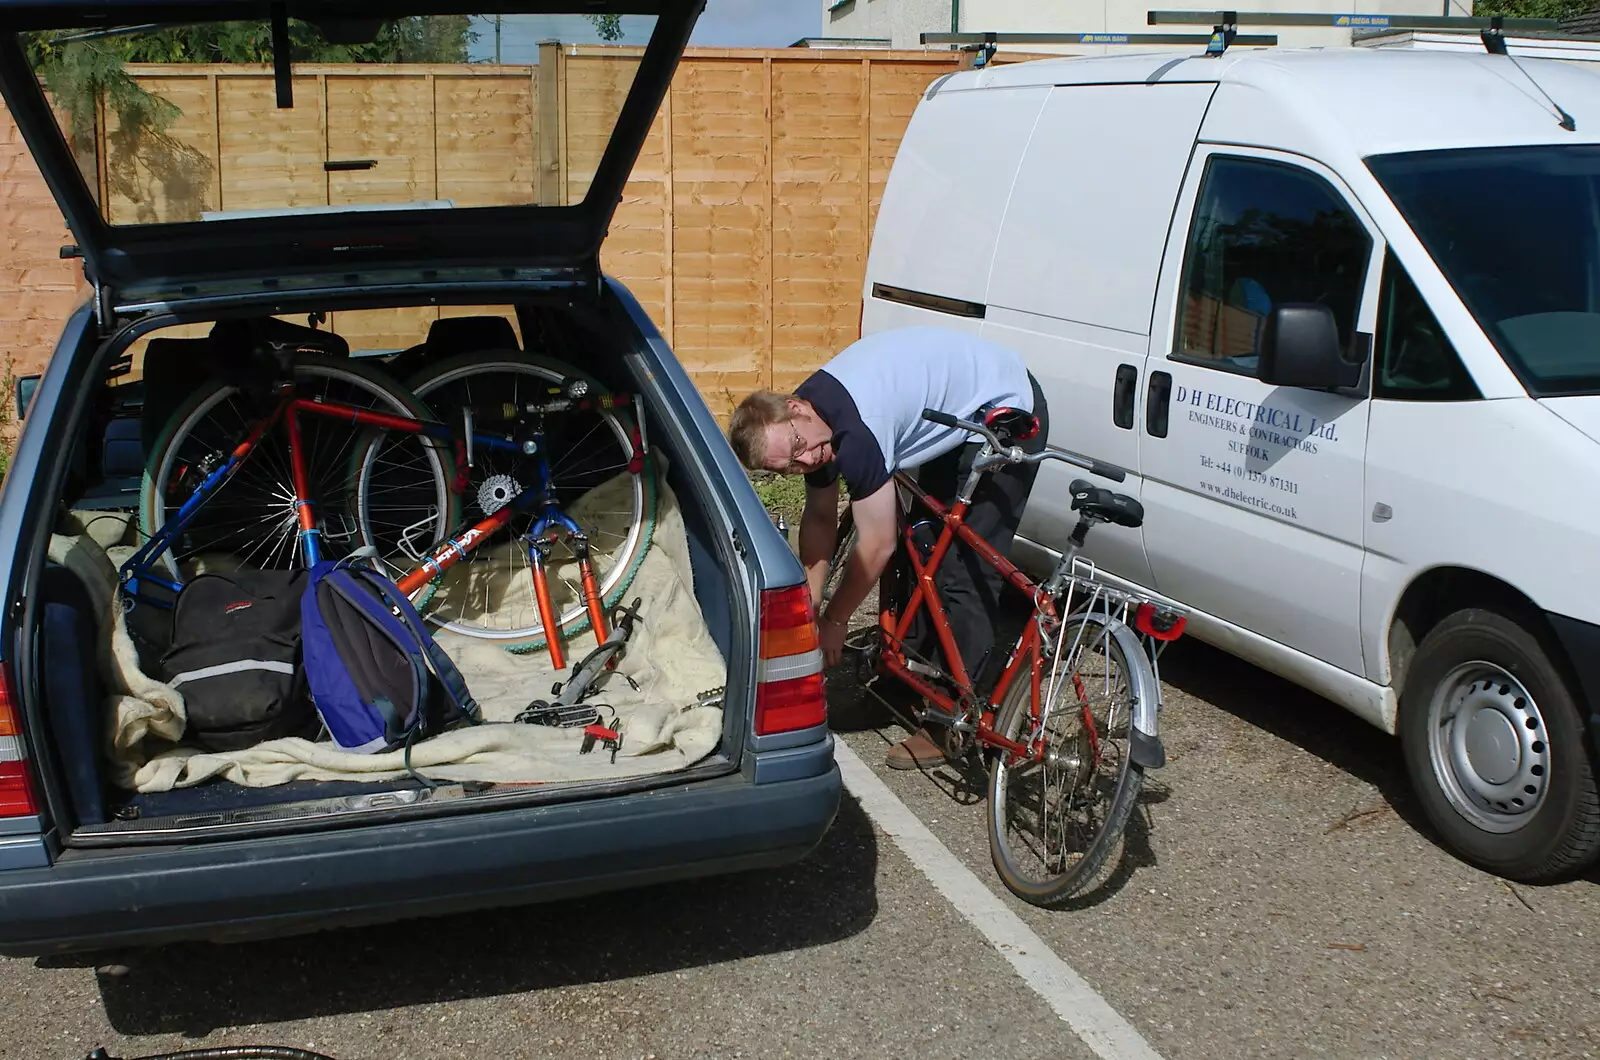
489 594
1054 823
251 519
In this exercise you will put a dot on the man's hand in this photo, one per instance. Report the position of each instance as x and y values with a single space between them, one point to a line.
832 642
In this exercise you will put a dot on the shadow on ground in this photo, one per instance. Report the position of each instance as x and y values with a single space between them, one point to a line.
1316 725
195 989
854 709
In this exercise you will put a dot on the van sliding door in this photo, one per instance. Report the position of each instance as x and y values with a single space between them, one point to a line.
1074 279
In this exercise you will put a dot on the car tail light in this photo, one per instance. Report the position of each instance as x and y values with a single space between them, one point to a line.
789 695
16 794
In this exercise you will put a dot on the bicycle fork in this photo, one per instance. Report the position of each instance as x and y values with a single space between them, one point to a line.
539 541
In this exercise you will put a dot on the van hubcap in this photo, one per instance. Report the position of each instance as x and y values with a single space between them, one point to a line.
1489 748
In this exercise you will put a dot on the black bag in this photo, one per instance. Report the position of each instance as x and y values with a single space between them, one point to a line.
235 658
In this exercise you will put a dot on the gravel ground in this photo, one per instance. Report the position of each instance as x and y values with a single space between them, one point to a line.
848 953
1278 896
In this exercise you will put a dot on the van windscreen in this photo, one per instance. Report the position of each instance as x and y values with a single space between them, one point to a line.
1516 232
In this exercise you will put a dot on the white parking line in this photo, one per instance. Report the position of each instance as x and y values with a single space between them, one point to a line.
1063 989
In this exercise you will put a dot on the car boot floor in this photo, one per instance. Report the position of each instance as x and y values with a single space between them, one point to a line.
661 697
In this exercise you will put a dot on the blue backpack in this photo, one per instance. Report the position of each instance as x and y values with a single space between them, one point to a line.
376 676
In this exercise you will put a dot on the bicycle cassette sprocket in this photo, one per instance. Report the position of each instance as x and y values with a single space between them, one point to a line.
496 492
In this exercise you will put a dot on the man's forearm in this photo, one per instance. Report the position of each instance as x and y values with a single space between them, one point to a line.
816 550
862 572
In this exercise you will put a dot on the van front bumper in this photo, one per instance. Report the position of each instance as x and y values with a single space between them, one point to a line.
381 873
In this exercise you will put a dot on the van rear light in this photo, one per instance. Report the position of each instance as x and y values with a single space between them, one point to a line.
789 695
16 793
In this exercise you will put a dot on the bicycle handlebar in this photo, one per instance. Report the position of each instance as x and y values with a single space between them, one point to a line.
1016 456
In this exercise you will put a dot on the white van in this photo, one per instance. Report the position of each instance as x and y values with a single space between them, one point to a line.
1338 313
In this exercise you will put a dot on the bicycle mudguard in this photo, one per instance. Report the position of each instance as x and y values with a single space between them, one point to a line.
1144 741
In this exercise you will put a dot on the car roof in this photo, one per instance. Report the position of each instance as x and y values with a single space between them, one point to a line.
1375 100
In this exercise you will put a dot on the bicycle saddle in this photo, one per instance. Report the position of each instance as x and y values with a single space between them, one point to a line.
1009 424
1102 504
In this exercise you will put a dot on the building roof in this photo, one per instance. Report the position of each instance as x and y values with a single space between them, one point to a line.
841 42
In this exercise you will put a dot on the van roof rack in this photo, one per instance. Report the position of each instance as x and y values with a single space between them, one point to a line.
1225 30
1491 28
985 44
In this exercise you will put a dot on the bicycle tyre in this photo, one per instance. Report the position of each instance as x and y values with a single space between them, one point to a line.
430 385
385 394
1129 780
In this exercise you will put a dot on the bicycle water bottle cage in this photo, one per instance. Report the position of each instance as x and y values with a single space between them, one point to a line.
1010 425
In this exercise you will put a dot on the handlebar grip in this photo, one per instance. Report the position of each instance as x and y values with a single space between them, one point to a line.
943 419
1110 471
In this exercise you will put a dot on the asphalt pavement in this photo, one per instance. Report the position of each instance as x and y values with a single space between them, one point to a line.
1279 895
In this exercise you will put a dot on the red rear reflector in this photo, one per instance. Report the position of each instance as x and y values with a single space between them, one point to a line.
1162 625
785 706
16 796
791 698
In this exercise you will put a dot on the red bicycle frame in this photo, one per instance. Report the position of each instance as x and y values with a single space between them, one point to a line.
1027 654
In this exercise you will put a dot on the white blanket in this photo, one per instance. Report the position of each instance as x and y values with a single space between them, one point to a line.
671 657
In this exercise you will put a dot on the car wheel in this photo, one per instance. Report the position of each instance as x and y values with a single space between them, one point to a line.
1494 747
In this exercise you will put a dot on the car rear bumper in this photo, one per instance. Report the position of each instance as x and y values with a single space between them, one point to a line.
375 874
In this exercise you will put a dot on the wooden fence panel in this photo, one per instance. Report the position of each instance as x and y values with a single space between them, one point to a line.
390 122
269 157
172 177
722 233
819 234
487 136
38 289
743 228
637 249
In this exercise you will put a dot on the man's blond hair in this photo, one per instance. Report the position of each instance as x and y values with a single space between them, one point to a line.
747 427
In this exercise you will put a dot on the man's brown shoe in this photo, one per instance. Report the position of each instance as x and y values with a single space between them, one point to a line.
917 751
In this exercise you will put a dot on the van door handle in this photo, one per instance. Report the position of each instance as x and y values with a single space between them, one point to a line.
1156 403
1122 396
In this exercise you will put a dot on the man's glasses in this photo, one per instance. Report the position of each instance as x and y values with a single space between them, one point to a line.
799 449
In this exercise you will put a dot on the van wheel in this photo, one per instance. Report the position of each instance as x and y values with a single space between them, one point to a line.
1494 746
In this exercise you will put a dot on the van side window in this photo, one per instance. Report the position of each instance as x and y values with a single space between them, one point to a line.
1265 234
1415 359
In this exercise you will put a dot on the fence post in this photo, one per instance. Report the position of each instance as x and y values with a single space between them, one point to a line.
551 183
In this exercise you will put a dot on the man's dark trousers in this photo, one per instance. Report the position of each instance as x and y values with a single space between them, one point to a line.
969 587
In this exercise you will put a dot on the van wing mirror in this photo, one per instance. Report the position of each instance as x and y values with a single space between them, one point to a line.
26 385
1300 347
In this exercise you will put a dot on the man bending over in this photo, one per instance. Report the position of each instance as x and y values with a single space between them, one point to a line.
859 417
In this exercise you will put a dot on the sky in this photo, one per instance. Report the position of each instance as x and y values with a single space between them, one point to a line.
724 24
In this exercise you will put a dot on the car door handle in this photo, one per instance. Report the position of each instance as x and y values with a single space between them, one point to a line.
1156 403
1122 396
